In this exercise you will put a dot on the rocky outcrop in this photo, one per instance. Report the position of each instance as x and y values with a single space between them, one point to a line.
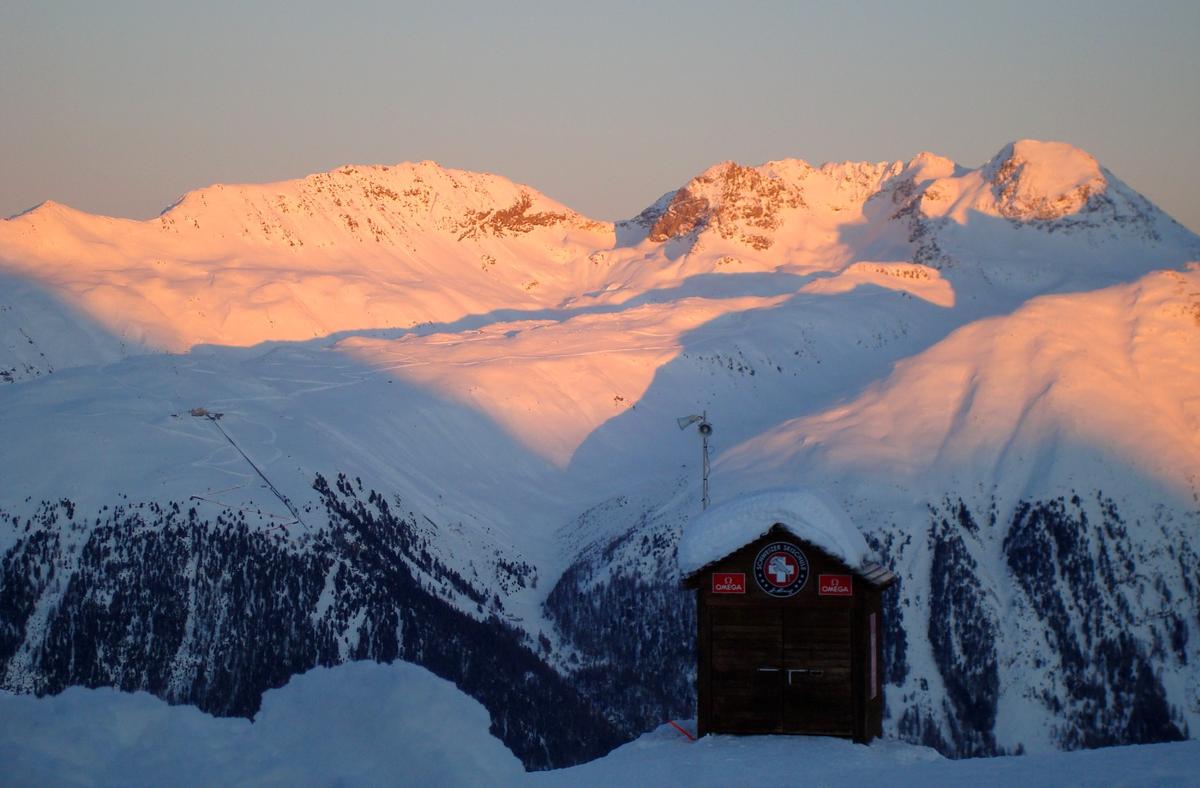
741 203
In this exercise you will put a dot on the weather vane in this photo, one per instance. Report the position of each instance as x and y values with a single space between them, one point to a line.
705 430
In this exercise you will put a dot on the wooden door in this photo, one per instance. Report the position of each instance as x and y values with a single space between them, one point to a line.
746 680
818 693
781 670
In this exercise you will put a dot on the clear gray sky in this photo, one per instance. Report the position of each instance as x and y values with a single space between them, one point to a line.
119 107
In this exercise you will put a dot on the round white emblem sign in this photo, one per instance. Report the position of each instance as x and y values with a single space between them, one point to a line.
781 569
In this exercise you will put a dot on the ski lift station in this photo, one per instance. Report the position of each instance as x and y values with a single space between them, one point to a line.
789 618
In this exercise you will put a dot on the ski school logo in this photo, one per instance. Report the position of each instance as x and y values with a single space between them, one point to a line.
781 569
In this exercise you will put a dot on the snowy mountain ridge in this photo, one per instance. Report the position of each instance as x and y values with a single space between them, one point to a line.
456 436
401 246
355 248
380 203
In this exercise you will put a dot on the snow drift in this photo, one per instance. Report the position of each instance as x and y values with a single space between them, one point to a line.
387 724
360 723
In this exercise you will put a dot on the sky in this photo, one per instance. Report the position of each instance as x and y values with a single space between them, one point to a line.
120 107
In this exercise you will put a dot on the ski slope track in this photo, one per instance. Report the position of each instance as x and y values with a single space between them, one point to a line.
409 412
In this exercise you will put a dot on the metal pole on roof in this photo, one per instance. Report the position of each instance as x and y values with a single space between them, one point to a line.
705 430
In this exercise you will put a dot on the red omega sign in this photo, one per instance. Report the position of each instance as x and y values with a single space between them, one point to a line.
729 582
836 585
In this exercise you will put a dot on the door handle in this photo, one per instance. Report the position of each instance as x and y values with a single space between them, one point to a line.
768 670
804 672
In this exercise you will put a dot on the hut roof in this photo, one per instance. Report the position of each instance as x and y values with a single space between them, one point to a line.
810 515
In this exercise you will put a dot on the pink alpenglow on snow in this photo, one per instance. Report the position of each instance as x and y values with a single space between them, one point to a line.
811 515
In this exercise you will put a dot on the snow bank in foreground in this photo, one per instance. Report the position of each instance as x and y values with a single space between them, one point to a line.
369 724
356 724
807 514
664 757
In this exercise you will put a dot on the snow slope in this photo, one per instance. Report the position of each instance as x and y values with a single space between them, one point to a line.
1054 394
385 724
664 757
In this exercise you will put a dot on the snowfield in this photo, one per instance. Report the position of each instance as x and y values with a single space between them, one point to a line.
366 724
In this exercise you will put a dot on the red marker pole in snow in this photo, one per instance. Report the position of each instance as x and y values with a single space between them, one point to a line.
682 730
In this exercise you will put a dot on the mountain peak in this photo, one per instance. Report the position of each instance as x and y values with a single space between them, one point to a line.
381 203
926 166
44 208
1033 179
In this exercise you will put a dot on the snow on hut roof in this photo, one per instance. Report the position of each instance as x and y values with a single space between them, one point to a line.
811 515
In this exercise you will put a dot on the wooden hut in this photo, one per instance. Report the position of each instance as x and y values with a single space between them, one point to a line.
789 622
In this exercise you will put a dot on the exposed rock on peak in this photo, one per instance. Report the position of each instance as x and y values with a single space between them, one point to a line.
516 219
685 211
740 202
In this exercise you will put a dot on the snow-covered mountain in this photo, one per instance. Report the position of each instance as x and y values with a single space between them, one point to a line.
359 247
415 412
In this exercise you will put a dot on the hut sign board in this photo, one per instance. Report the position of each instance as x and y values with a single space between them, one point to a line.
781 569
729 582
836 585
